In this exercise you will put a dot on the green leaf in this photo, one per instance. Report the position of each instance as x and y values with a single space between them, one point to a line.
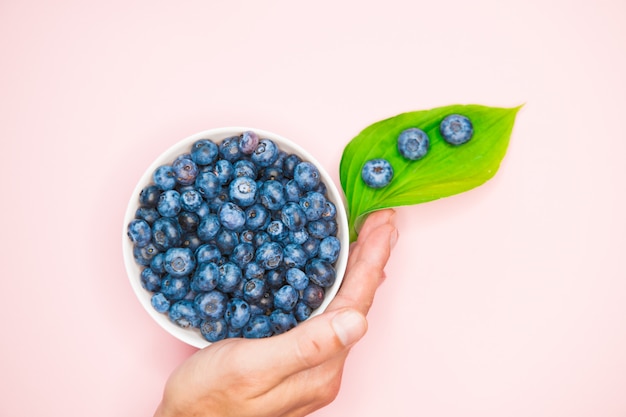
444 171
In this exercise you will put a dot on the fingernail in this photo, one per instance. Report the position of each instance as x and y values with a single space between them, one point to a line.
393 238
349 326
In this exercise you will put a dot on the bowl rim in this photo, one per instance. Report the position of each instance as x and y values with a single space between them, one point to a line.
192 336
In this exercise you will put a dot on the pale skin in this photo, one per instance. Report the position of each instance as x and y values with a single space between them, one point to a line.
298 372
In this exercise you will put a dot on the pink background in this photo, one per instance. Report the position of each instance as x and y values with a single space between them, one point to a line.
509 300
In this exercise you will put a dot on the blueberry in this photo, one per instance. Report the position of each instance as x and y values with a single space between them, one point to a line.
306 175
243 191
313 205
269 255
208 184
321 272
229 278
247 236
377 173
150 280
275 278
257 217
277 231
204 210
226 240
174 288
207 253
298 236
148 214
159 302
237 313
191 241
456 129
204 152
254 289
214 330
265 153
290 164
156 264
188 221
229 149
258 327
179 262
260 238
232 332
211 304
186 171
285 298
209 227
190 200
164 177
149 196
184 314
311 247
318 229
413 143
293 216
242 254
297 278
293 192
169 203
329 249
166 233
330 211
294 256
248 142
253 270
231 216
272 195
313 295
144 255
205 277
245 168
224 171
302 311
282 321
139 232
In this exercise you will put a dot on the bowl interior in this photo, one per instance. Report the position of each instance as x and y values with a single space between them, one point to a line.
193 336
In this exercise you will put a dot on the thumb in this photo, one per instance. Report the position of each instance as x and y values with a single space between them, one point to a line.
314 341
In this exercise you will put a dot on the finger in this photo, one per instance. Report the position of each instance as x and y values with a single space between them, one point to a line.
373 221
308 345
367 270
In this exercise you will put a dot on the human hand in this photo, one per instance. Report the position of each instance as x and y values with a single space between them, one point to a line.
297 372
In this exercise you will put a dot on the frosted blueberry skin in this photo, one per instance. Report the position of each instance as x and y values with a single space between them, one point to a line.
285 298
231 216
205 277
302 311
208 227
307 176
329 249
237 313
282 321
321 272
160 303
413 144
211 304
166 233
254 289
265 153
208 184
229 278
150 280
184 314
186 171
377 173
229 149
139 232
204 152
313 295
248 142
149 196
174 288
214 330
294 256
164 177
297 278
456 129
258 327
243 191
269 255
293 216
179 262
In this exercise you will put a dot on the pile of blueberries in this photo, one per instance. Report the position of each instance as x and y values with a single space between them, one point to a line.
236 238
413 144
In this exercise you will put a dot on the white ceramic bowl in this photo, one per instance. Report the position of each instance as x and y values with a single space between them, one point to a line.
193 336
